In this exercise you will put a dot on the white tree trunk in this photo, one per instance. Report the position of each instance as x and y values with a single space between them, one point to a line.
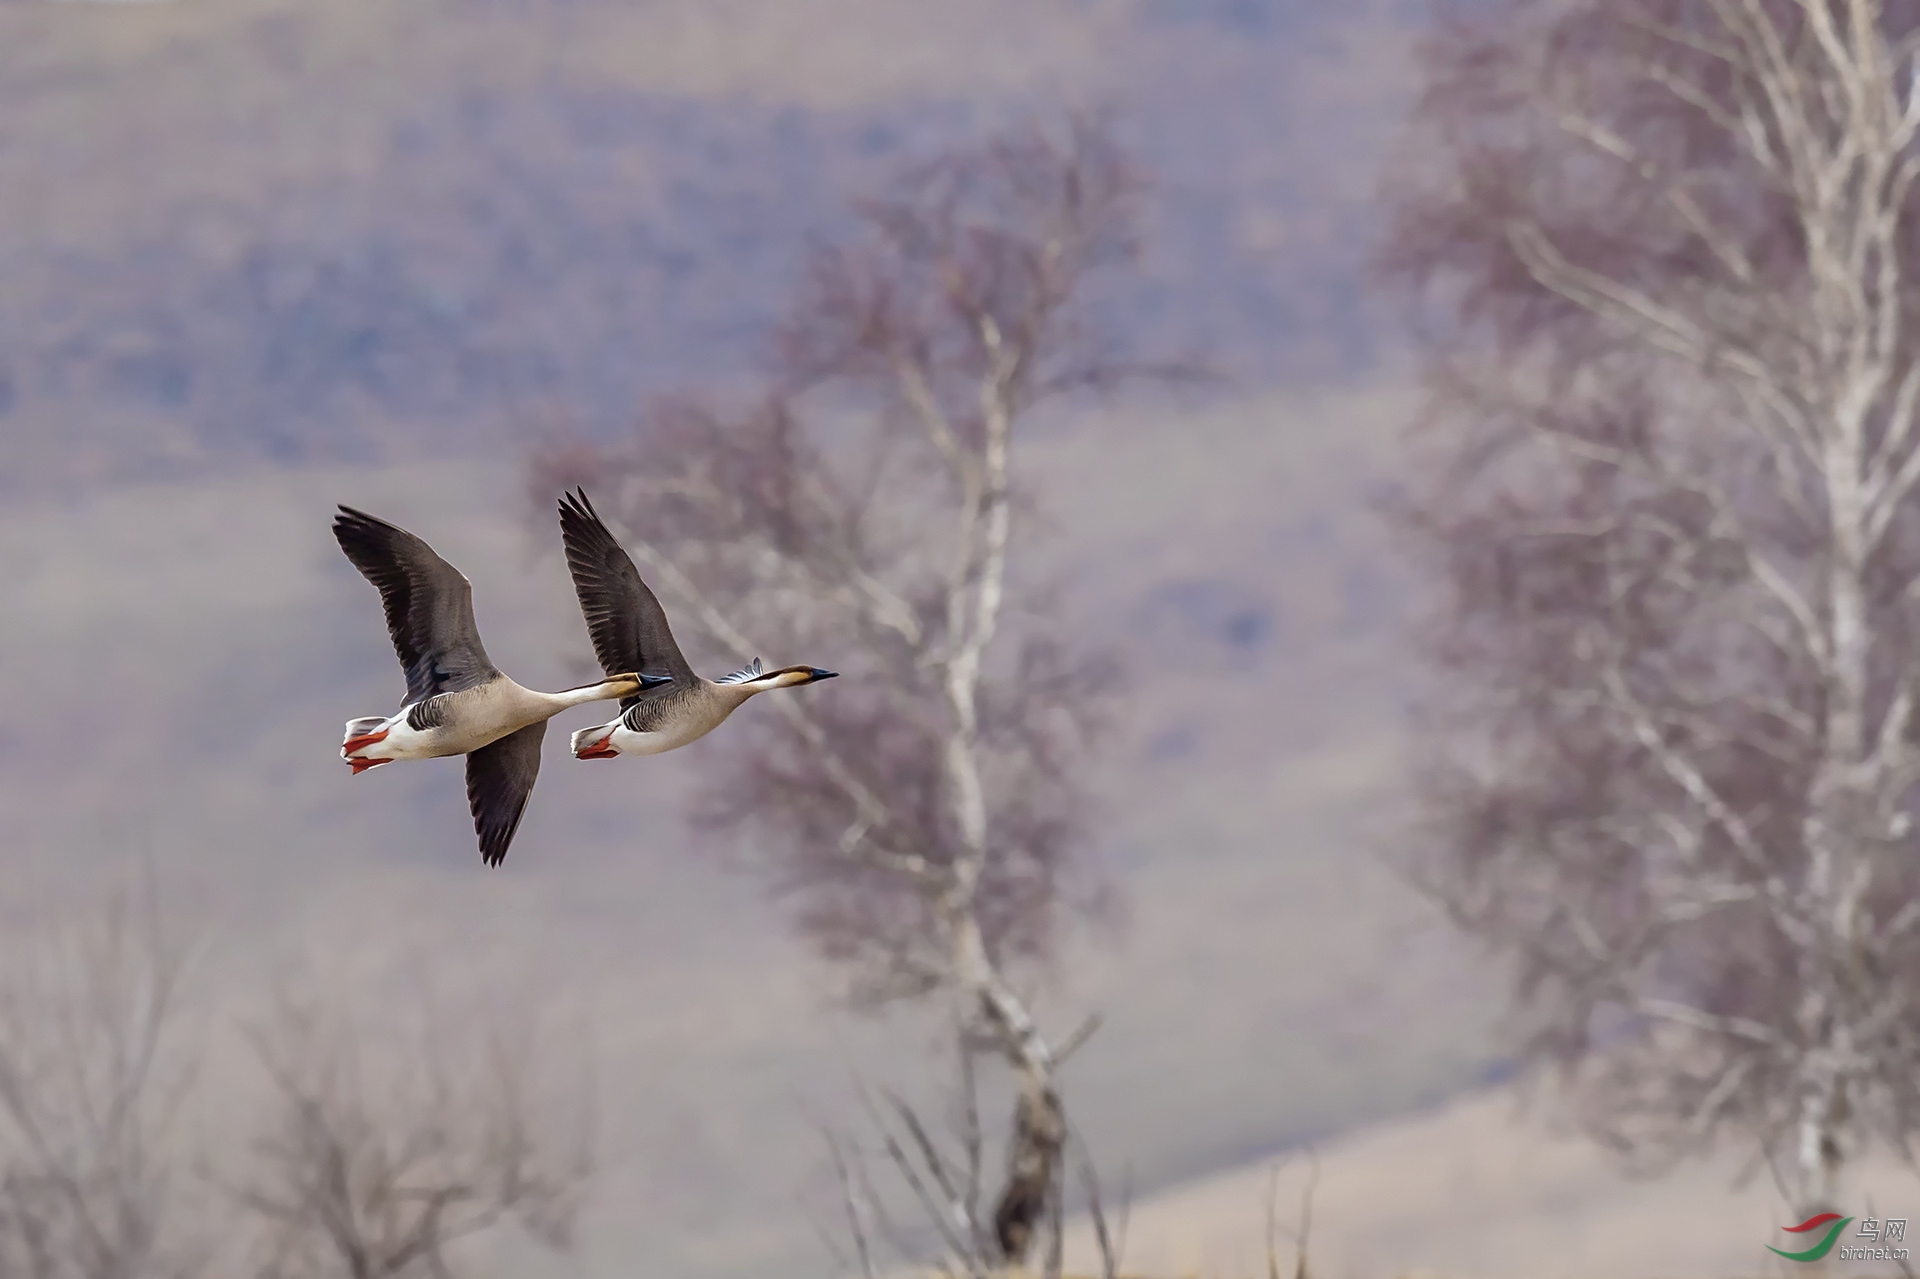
1807 359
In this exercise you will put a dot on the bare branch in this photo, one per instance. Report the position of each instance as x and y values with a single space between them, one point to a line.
926 813
1670 501
383 1166
90 1082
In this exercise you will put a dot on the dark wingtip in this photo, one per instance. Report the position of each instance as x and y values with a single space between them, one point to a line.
584 504
349 519
349 526
577 513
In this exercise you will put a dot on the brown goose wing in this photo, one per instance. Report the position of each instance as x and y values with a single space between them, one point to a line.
628 626
428 602
500 777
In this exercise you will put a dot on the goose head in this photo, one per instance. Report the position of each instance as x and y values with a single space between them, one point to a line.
751 679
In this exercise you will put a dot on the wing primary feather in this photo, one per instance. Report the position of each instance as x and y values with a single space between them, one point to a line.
624 619
428 604
500 778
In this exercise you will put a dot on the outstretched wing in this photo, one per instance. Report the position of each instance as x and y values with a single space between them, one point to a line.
500 777
628 626
429 605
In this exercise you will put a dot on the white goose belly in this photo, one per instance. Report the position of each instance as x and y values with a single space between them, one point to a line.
485 725
652 727
667 737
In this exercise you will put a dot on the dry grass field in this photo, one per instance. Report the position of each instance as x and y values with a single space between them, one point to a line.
1485 1188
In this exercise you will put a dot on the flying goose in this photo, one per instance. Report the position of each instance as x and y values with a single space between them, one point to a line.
458 702
630 633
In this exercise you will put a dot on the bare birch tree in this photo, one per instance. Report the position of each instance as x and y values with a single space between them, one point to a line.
934 1219
1673 378
92 1071
865 506
375 1169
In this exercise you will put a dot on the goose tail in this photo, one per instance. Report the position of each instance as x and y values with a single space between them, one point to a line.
361 735
595 742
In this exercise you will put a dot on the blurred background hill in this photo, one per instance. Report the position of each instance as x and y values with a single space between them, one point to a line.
245 229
